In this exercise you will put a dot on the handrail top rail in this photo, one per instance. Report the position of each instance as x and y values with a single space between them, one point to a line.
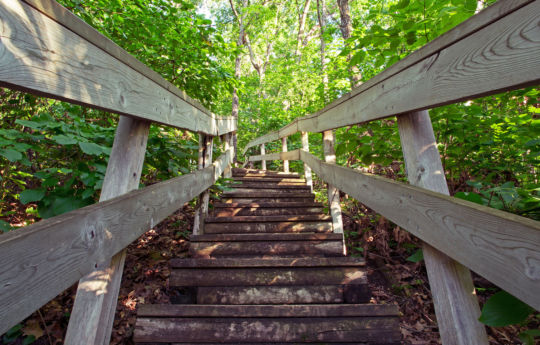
467 28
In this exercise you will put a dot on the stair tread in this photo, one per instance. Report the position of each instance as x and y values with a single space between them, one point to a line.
266 186
267 311
267 205
345 261
265 237
291 218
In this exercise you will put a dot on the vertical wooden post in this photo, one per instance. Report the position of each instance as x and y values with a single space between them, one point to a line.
263 152
204 198
97 294
452 288
227 173
333 192
307 169
200 165
284 149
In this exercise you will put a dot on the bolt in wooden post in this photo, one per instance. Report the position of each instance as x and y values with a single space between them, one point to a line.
456 306
97 294
284 149
333 192
307 169
263 152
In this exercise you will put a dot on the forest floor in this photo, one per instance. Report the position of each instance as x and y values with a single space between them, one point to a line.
393 280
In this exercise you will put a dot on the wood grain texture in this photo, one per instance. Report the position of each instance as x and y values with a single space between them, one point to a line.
284 150
285 156
67 247
274 262
502 247
64 65
452 288
263 152
307 169
371 330
191 310
94 308
334 203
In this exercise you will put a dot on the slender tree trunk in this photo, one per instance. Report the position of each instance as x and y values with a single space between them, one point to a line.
346 31
301 28
322 23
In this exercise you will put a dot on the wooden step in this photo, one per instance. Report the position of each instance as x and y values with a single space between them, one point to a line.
277 187
248 192
264 237
271 180
345 261
262 173
269 199
266 248
266 209
336 324
267 227
268 219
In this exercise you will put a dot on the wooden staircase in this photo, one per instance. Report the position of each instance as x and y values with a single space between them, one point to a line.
269 270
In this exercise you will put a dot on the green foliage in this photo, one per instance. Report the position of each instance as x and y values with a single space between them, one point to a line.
503 309
15 333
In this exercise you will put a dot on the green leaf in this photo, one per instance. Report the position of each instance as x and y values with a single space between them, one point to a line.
470 196
11 155
527 337
402 4
5 226
358 58
29 340
503 309
417 256
64 139
91 148
470 5
30 195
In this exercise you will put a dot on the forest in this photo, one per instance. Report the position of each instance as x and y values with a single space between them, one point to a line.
268 62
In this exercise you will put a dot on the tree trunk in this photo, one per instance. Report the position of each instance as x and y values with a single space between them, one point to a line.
301 28
346 31
322 23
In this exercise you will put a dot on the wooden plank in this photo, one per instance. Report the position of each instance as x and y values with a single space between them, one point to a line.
200 166
262 237
268 276
268 205
334 203
104 79
502 247
228 145
268 137
307 169
263 152
259 248
268 219
193 310
94 308
452 288
67 247
283 155
275 262
381 330
205 197
253 295
263 227
266 211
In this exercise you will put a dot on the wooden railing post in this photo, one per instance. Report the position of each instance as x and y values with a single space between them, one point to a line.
307 169
333 192
227 173
284 149
456 306
206 145
263 152
97 294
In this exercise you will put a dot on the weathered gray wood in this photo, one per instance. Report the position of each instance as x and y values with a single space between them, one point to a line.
261 248
205 197
502 247
95 302
274 262
200 166
284 149
371 330
268 137
263 162
285 156
262 237
67 247
334 203
268 276
228 144
266 211
265 227
452 288
104 77
194 310
307 169
269 219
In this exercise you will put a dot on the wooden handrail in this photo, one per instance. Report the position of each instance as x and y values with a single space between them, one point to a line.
502 247
43 259
491 52
48 51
